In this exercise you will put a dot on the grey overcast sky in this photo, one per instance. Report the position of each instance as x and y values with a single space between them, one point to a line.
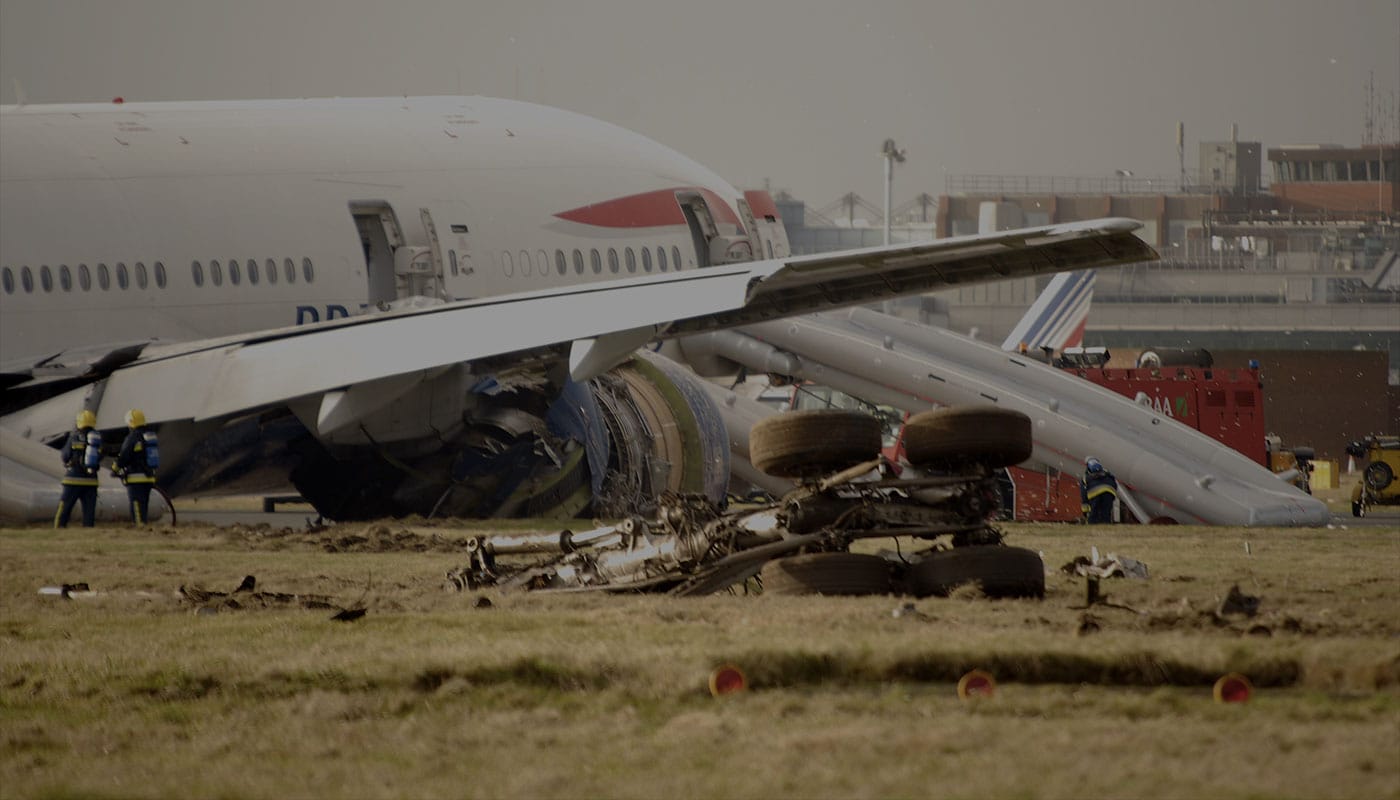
799 92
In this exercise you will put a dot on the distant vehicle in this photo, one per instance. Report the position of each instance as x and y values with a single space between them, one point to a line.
1380 481
1293 464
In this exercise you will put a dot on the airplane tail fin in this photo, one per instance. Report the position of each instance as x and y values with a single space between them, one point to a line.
1057 318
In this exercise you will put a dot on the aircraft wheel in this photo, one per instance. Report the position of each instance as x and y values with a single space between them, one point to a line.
1379 475
807 444
954 437
999 570
834 574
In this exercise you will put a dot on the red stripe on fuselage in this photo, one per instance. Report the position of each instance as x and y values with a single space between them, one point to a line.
647 210
761 204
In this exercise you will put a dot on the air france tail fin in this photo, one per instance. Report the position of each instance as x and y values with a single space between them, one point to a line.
1057 318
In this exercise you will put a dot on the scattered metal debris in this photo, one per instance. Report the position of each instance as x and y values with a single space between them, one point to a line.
1111 566
247 596
68 590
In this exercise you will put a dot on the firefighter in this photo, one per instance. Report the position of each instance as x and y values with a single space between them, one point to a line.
81 454
1097 492
136 464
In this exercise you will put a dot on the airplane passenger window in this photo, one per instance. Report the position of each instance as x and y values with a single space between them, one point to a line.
542 258
216 273
104 279
507 263
271 267
631 260
46 278
84 277
235 276
306 270
197 271
252 271
452 262
646 259
160 275
289 270
661 258
596 260
676 257
578 262
27 278
525 265
140 275
65 278
122 280
612 259
561 264
9 280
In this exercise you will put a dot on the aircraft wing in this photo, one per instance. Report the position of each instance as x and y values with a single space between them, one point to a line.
602 322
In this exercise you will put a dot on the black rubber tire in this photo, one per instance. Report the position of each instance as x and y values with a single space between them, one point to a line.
999 570
1358 509
807 444
1379 475
832 574
953 437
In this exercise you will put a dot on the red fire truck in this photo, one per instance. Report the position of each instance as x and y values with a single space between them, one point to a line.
1225 404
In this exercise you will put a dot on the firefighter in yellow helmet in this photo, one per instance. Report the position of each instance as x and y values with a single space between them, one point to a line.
81 453
136 464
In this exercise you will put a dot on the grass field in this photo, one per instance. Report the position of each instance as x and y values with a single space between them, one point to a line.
131 692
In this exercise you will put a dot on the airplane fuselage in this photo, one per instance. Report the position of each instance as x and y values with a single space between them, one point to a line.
522 255
122 222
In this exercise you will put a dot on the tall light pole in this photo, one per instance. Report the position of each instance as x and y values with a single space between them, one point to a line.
891 154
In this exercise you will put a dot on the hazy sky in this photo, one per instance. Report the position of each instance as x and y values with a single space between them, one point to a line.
800 92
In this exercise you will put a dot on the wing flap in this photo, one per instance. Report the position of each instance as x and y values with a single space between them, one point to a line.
830 280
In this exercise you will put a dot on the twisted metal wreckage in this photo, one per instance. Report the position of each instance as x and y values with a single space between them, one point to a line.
800 543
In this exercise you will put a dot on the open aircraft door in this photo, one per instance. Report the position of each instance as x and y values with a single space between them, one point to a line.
400 262
712 246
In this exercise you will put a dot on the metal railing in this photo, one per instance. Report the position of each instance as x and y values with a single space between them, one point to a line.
975 184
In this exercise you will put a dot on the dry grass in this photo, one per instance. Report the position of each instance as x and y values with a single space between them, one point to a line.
128 693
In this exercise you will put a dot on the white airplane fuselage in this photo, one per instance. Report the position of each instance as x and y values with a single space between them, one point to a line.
176 222
266 193
224 265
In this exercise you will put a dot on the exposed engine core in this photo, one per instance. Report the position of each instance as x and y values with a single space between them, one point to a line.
609 447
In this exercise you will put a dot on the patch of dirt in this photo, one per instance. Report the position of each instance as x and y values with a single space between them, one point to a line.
380 539
366 538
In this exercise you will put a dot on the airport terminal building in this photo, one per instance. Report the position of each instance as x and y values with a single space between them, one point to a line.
1303 257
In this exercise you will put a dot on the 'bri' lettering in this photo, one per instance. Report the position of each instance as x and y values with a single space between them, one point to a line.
307 314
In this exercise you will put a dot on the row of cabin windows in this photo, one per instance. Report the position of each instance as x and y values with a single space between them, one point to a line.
628 258
138 276
65 279
250 270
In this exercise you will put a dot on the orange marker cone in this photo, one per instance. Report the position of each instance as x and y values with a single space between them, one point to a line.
1233 688
727 679
977 683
